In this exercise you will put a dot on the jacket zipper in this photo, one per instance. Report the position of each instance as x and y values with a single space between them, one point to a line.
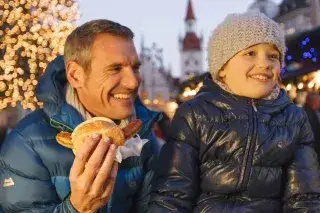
254 106
59 125
250 146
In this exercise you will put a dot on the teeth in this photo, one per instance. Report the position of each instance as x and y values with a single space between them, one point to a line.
122 96
260 77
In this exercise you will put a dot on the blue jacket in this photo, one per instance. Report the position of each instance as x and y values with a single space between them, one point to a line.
39 167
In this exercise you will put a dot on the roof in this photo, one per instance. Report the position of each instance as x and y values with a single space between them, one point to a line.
191 42
190 14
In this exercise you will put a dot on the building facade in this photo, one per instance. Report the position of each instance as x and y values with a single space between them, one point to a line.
158 85
295 16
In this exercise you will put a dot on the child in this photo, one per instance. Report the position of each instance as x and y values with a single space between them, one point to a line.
240 145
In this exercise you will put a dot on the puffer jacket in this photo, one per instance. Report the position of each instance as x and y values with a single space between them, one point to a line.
231 154
36 168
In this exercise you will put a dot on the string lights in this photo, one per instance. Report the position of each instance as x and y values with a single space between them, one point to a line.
32 33
309 53
304 53
190 91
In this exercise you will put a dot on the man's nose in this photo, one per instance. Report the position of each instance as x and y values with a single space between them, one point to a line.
130 79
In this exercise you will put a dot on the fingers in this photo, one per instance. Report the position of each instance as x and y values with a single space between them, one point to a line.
96 160
83 155
109 185
105 171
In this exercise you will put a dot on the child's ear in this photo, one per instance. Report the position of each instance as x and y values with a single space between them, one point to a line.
222 73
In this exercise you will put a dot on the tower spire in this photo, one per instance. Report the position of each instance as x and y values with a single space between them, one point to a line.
190 14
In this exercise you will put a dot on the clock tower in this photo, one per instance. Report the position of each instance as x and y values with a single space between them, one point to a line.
191 54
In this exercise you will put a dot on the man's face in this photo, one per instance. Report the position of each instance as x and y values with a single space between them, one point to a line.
112 83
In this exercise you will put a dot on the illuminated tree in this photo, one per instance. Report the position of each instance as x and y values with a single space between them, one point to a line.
32 33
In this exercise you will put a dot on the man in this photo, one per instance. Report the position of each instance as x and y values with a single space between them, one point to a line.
312 107
99 76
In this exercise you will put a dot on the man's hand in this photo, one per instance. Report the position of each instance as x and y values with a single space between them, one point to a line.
93 174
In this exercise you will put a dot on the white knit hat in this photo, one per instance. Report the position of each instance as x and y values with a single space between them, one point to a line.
241 31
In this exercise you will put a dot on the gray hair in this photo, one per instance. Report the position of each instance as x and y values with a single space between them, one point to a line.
78 44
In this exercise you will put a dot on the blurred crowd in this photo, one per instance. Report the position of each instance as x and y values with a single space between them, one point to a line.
312 108
9 117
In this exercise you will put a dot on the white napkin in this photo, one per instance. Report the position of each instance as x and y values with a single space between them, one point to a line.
132 147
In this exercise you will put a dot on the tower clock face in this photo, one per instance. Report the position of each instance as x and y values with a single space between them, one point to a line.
191 61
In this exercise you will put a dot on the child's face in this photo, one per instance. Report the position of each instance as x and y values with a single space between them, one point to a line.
253 72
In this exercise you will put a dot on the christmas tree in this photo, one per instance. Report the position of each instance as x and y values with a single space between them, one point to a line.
32 33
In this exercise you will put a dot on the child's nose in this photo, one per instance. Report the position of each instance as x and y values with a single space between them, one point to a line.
264 62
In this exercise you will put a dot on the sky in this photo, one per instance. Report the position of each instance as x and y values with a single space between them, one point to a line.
162 21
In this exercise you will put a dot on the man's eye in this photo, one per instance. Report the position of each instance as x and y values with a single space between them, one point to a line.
136 69
117 68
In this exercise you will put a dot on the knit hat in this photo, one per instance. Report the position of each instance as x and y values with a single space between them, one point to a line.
241 31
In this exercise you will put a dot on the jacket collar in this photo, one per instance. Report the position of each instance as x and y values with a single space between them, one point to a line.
51 91
211 92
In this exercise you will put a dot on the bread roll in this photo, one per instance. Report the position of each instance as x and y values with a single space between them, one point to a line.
104 126
98 125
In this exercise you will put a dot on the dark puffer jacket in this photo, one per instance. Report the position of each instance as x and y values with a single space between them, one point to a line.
232 154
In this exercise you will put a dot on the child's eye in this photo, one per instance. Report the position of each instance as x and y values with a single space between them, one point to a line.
251 53
275 56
